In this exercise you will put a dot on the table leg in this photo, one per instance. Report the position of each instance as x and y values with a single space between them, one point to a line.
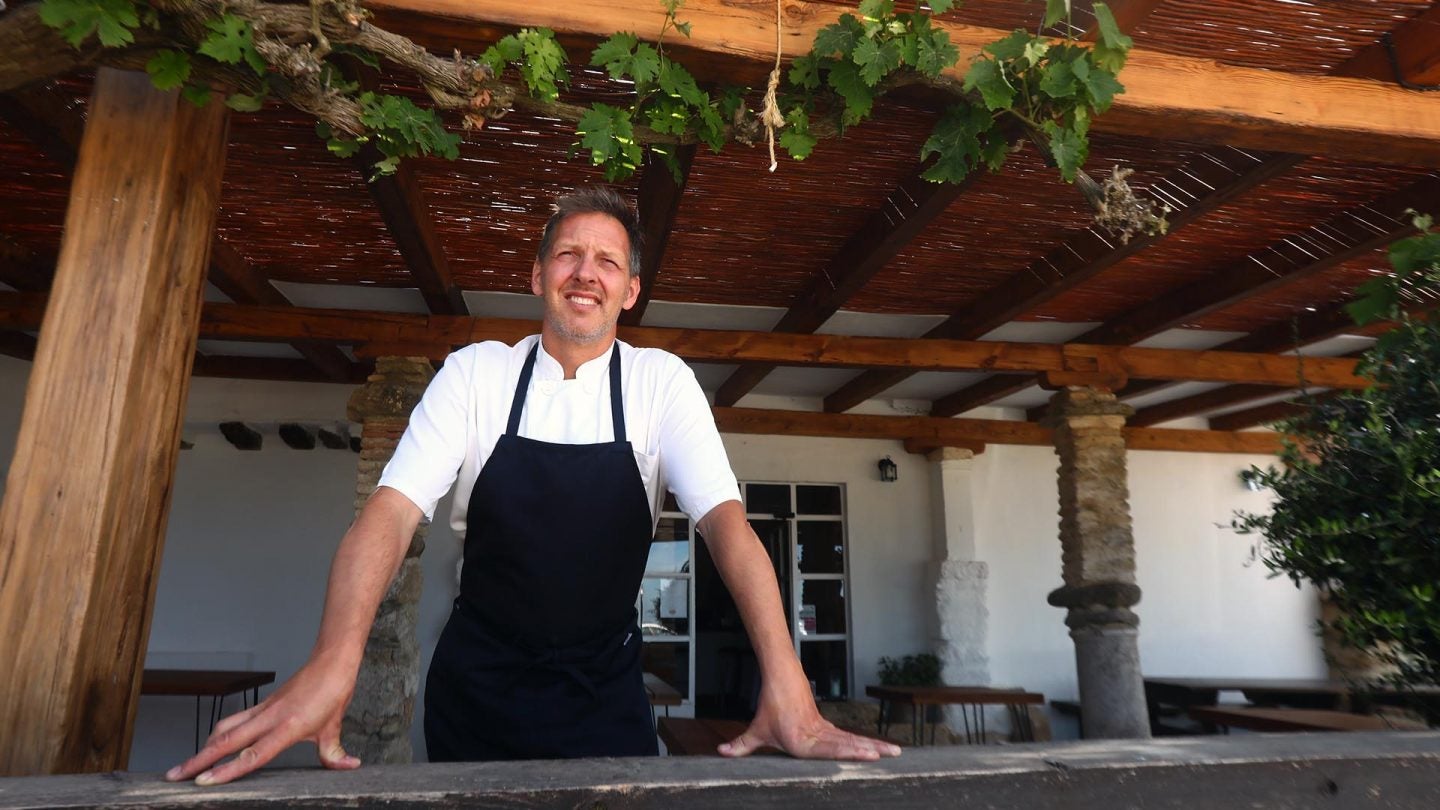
917 724
197 724
965 716
880 719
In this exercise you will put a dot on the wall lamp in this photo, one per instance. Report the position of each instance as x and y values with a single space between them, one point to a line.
888 470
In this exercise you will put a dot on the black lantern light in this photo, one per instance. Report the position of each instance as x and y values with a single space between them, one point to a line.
888 470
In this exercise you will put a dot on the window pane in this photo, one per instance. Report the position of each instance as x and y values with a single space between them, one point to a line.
825 666
670 551
815 500
822 607
768 499
664 607
670 662
820 546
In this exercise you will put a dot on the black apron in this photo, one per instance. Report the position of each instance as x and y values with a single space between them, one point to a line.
541 655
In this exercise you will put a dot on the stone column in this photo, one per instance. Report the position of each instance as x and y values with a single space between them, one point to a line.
1098 561
961 615
377 723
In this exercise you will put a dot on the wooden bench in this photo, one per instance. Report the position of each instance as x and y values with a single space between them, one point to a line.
1280 720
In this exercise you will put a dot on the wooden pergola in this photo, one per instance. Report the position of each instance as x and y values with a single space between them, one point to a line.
1279 134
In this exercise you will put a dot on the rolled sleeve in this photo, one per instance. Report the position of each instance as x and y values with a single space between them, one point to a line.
693 457
430 453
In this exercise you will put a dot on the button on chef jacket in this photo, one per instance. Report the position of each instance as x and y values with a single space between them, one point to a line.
454 429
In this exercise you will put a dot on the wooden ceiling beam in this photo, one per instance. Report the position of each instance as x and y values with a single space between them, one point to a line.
1417 52
1206 401
43 116
439 333
282 369
658 203
401 202
912 206
1261 414
1167 97
1215 178
930 431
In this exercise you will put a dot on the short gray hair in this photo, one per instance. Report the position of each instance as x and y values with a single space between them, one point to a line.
595 200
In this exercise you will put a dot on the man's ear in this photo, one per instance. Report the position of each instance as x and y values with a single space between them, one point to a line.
634 294
535 278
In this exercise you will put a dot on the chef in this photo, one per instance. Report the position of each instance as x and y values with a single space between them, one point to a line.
560 450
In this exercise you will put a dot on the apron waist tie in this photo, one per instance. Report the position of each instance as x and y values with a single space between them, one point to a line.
550 661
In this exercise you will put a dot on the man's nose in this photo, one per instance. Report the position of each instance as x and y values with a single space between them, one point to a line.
588 269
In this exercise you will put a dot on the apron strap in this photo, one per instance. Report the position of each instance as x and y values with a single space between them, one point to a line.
517 404
617 409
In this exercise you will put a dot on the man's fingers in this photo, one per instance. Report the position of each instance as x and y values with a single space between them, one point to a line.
332 753
249 758
231 721
741 746
833 743
220 745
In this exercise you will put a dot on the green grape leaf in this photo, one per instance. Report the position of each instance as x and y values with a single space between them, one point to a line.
1100 85
239 102
839 37
1415 253
168 69
732 98
683 28
994 151
711 128
877 10
1375 299
343 147
876 59
909 45
645 67
936 54
677 81
1112 45
668 115
844 78
987 76
1011 47
197 94
226 40
672 6
1067 148
615 53
607 132
1058 81
671 162
940 6
796 138
1055 10
956 143
805 72
76 20
507 49
1035 51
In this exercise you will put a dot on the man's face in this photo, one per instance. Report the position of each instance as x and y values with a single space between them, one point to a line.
585 278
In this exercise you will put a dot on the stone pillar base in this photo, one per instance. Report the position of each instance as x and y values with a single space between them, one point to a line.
376 727
1107 663
962 618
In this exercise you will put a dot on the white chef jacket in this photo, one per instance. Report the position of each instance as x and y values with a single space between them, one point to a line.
465 409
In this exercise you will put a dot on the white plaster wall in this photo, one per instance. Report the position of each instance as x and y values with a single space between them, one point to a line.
251 534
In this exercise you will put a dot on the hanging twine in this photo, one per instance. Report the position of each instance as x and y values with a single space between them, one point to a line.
770 114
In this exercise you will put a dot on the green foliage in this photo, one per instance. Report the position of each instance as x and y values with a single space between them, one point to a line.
1357 503
399 129
114 21
607 132
912 670
1416 261
796 138
168 69
538 57
232 41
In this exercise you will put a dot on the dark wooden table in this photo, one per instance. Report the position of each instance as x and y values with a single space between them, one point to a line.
1271 719
970 699
216 684
699 737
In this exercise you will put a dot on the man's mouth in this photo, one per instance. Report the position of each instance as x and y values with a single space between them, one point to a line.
582 300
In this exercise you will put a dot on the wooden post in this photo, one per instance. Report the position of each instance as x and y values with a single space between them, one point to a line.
88 491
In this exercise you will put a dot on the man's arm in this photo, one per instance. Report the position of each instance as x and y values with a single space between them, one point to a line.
786 717
310 705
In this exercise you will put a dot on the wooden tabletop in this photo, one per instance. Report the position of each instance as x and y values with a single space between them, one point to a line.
1258 719
939 695
1312 685
660 692
206 682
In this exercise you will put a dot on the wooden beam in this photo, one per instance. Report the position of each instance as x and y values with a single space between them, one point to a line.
1259 415
280 369
237 278
658 203
88 491
1167 97
402 205
938 432
1215 178
912 206
1417 52
18 345
437 334
1127 13
1202 402
42 114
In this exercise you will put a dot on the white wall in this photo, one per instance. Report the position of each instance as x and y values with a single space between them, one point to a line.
251 534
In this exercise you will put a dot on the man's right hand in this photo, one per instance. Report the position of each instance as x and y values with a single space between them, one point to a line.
308 707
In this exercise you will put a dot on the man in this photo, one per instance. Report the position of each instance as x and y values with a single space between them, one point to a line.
561 449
